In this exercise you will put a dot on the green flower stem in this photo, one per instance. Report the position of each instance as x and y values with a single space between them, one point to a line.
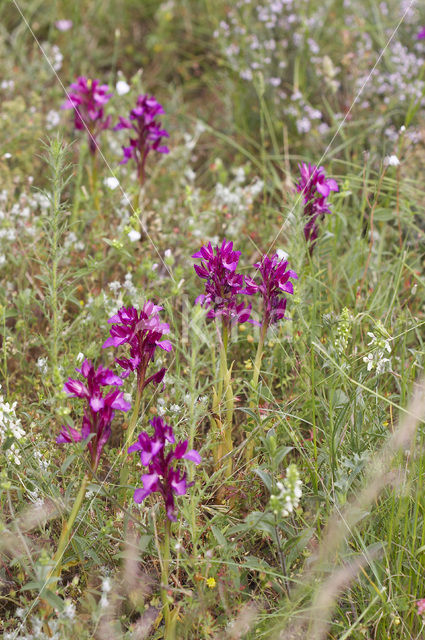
225 397
254 384
259 357
67 528
94 182
169 619
133 419
5 373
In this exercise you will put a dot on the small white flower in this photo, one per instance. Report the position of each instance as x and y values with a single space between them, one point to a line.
52 119
122 87
281 254
6 156
69 610
115 286
42 365
80 357
175 408
63 25
369 360
391 161
111 182
134 235
106 585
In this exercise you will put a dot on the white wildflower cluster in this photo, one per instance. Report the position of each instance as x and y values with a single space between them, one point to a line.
111 182
18 220
173 408
52 119
114 299
71 242
290 492
42 365
379 348
43 464
122 87
54 55
35 497
11 431
343 331
391 161
201 400
33 628
237 198
262 54
399 82
7 85
105 590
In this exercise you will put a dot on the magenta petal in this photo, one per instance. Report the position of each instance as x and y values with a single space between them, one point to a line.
150 481
109 378
193 456
76 388
112 342
68 434
166 345
323 189
140 495
288 287
97 403
134 447
332 184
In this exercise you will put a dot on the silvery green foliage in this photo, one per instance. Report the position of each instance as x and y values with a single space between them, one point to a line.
350 467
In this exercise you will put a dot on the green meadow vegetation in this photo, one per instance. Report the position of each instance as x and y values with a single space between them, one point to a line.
240 453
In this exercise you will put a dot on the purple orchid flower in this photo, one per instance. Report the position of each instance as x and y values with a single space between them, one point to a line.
315 188
88 97
162 477
275 281
143 332
223 285
100 409
421 34
148 133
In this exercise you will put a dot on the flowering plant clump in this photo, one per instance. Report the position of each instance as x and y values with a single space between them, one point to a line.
380 347
162 476
149 133
88 97
143 332
315 188
275 280
223 285
290 492
100 409
11 431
